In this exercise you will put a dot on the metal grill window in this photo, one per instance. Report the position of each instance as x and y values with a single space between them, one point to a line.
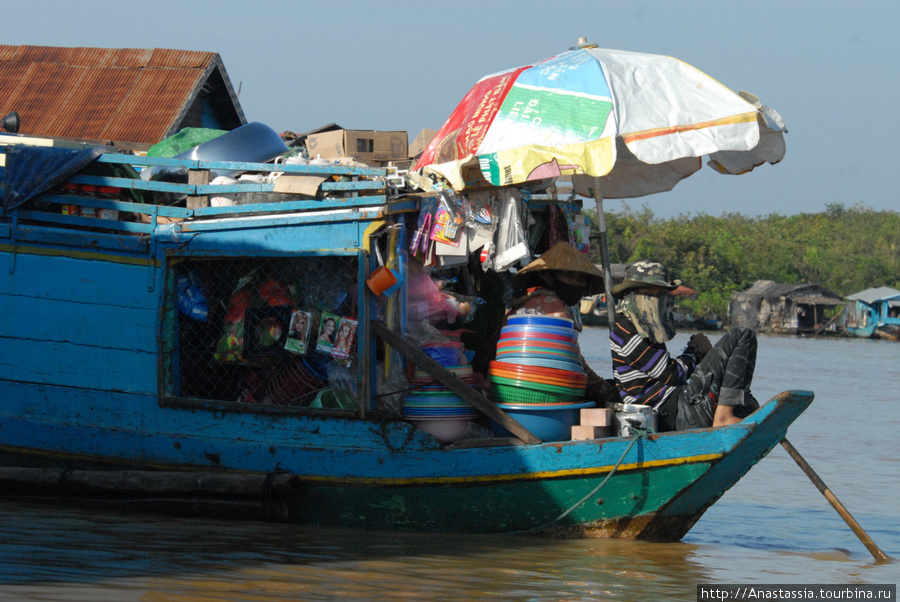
273 331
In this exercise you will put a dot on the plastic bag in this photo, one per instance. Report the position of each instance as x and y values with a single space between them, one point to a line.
443 350
463 306
341 392
191 298
449 218
508 233
579 230
478 208
230 347
391 391
271 292
425 300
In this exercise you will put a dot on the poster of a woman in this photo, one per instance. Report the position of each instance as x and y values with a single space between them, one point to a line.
343 344
298 335
327 326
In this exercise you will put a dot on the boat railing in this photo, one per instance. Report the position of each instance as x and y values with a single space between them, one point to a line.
137 205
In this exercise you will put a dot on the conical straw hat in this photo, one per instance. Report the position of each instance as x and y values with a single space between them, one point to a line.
562 257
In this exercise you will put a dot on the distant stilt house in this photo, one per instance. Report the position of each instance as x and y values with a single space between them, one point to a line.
768 306
874 312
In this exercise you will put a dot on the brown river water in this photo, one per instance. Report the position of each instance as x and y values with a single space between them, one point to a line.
774 527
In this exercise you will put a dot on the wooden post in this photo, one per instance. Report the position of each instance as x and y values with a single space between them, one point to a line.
198 177
604 257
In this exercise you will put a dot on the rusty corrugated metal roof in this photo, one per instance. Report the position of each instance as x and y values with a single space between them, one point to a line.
107 94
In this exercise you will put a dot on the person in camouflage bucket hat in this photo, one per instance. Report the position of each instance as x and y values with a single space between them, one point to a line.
704 386
651 313
643 274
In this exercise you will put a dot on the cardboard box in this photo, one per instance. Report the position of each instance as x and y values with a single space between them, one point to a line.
421 142
596 417
581 432
362 145
400 165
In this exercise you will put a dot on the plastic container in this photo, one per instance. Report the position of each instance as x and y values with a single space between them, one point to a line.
295 386
538 370
546 423
464 371
552 352
539 344
253 142
549 363
448 355
515 335
381 280
553 321
531 393
566 362
537 379
109 192
526 331
445 430
423 413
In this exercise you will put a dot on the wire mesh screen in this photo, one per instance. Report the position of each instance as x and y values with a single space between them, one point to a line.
271 330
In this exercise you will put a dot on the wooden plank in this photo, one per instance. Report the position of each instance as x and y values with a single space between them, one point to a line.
88 279
241 166
88 323
449 380
81 366
198 177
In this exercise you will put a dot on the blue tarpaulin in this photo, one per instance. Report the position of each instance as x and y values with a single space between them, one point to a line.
33 170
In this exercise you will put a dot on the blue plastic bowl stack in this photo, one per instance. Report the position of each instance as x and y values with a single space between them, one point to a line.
536 342
431 400
544 341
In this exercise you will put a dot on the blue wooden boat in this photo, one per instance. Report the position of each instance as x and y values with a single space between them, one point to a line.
127 374
873 313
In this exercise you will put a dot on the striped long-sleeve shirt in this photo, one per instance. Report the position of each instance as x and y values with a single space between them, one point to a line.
645 373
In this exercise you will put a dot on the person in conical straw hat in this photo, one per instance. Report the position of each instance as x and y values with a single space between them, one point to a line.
704 386
564 271
554 283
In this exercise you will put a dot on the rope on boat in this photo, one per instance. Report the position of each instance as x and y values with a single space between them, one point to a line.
639 433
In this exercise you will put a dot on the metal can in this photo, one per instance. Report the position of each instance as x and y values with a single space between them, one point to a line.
631 416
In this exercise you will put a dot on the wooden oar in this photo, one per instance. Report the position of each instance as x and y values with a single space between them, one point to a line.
450 380
836 503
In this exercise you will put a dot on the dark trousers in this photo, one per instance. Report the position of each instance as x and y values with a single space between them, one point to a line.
722 377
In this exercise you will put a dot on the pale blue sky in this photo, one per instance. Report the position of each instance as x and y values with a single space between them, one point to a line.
829 68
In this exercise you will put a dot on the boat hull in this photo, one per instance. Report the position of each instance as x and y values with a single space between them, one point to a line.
114 388
655 487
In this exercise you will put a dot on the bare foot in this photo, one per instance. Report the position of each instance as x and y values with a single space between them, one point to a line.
724 415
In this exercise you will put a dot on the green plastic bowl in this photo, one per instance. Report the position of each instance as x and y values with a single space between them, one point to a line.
531 393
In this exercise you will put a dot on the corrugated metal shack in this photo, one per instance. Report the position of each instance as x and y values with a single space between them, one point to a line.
768 306
129 97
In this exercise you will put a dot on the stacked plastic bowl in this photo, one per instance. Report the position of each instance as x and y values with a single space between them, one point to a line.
542 341
537 377
430 400
538 361
434 408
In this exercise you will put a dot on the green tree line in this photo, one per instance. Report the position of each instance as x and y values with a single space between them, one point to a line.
845 250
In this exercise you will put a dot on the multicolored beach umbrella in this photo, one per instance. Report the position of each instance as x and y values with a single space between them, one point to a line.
620 124
639 122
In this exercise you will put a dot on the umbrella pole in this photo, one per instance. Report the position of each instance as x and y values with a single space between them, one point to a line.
604 258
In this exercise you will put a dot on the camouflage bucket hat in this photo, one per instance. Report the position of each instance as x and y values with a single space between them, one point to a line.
642 274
